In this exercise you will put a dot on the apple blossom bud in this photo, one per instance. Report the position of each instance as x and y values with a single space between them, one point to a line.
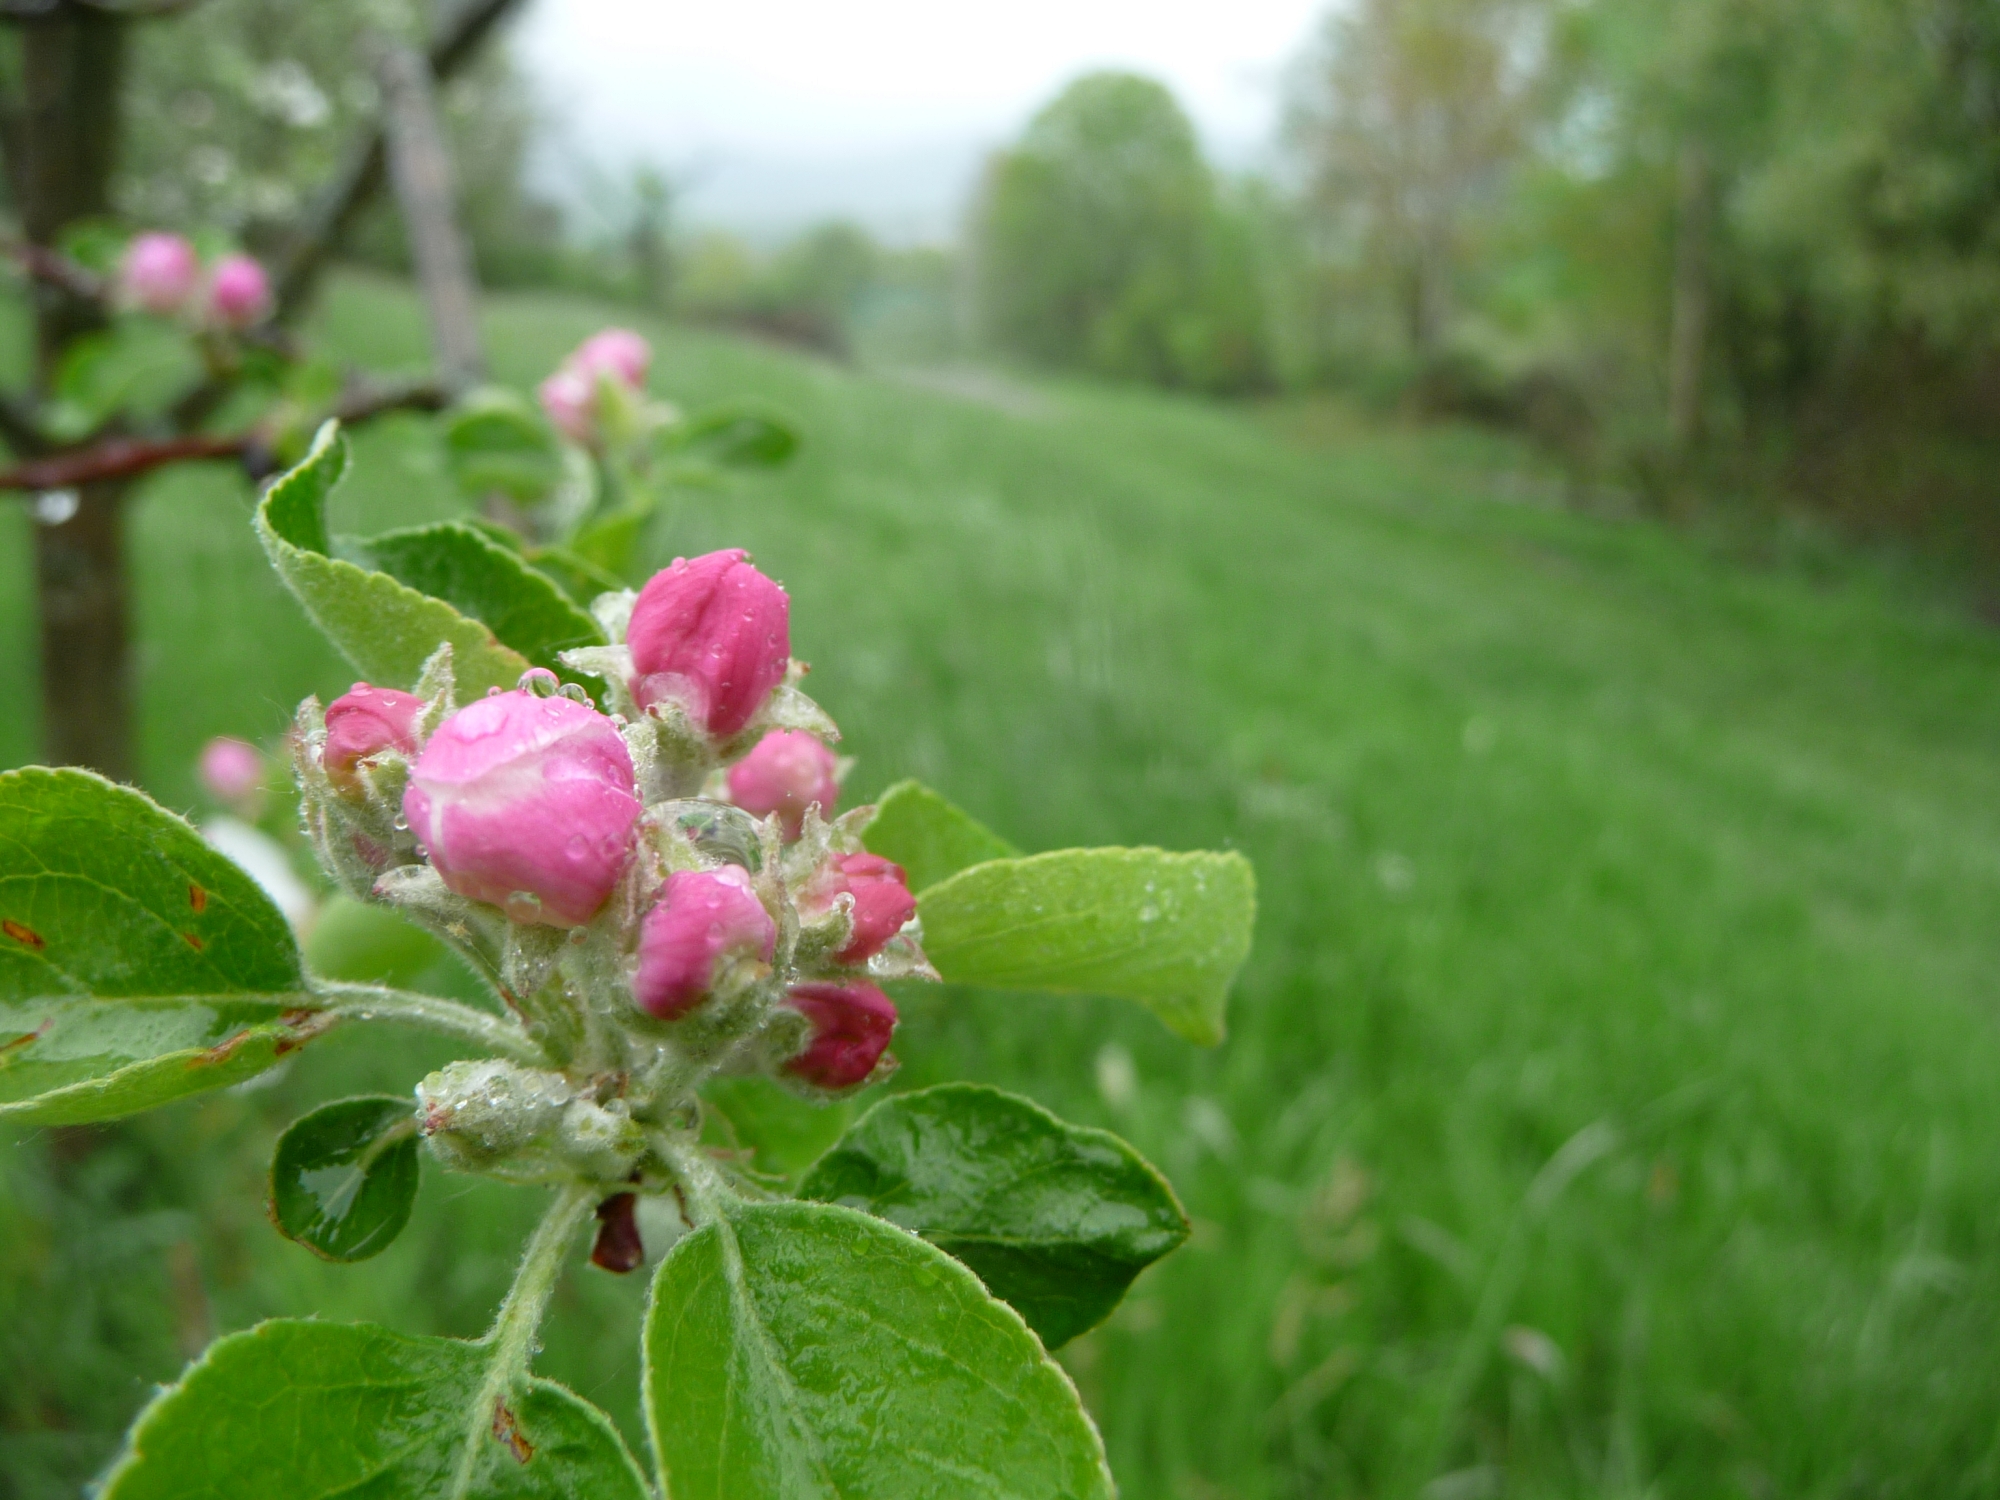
851 1025
232 770
619 1247
882 901
704 919
787 772
239 294
527 803
365 721
569 401
617 352
712 633
159 273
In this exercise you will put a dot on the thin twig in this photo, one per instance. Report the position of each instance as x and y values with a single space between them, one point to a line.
57 269
127 457
483 1029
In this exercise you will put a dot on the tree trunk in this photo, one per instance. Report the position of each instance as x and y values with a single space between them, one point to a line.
85 607
1687 345
66 134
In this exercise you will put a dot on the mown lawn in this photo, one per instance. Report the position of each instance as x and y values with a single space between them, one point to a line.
1612 1103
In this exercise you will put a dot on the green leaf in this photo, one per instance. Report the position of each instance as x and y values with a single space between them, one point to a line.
136 367
783 1133
484 581
344 1176
313 1411
739 437
385 628
136 963
1167 930
580 578
1056 1219
494 440
929 837
611 541
798 1351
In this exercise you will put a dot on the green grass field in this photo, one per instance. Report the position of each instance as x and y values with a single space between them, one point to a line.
1612 1099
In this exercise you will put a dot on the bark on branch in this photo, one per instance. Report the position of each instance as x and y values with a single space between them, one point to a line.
118 458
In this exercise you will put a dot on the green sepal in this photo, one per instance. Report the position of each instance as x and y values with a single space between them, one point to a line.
344 1176
1056 1219
929 837
309 1411
799 1351
1167 930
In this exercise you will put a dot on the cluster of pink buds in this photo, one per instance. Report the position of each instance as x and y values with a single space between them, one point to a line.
664 887
608 366
162 274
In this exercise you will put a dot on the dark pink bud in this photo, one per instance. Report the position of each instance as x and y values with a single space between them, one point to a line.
851 1026
239 293
882 901
232 770
527 803
786 773
365 721
703 918
619 1248
617 352
714 634
159 273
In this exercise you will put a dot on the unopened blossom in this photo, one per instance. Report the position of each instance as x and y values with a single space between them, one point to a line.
882 901
239 293
364 722
569 400
159 272
851 1027
232 770
703 920
617 352
786 772
527 803
713 634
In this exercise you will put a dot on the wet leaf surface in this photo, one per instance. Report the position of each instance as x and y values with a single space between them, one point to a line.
344 1176
1056 1219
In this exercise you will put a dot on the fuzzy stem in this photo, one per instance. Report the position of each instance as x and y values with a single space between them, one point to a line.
498 1035
703 1185
510 1343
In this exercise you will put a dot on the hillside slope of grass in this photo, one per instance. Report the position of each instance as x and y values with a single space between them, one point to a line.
1610 1103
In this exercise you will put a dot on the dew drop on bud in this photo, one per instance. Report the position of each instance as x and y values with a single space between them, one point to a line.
540 681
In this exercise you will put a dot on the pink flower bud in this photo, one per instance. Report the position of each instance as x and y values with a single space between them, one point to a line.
365 721
569 400
160 272
786 773
702 918
617 352
239 294
882 901
231 770
851 1025
527 803
713 633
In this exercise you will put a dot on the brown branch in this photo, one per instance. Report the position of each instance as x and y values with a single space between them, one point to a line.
126 458
57 269
362 177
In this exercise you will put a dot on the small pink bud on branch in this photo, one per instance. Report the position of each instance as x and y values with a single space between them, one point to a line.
364 722
851 1027
713 634
787 772
703 919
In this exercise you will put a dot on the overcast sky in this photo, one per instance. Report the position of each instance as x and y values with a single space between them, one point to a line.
794 108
